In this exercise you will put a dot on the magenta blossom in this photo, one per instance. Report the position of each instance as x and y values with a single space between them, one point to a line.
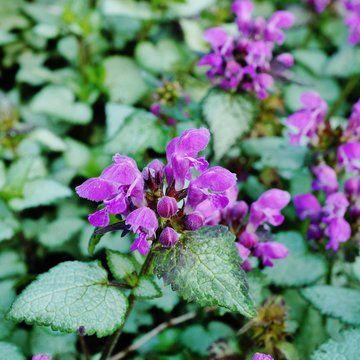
352 20
326 179
181 153
268 251
259 356
338 231
348 156
267 208
307 206
142 221
41 357
117 186
211 185
319 5
353 127
335 206
307 121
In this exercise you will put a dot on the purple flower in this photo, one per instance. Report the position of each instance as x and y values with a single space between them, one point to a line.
335 206
243 10
210 213
348 156
168 237
211 185
117 184
352 21
167 207
248 239
142 221
285 59
278 21
194 221
307 206
268 251
308 119
326 179
319 5
41 357
259 356
267 208
217 37
338 231
353 127
315 232
181 153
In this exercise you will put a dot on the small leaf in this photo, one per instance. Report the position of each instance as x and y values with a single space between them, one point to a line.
10 351
70 295
288 350
39 192
123 80
164 56
140 131
11 264
204 267
122 266
300 267
60 231
45 341
229 117
340 303
147 289
59 102
346 348
94 240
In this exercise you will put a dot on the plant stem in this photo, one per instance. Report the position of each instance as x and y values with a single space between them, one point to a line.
148 336
346 91
112 341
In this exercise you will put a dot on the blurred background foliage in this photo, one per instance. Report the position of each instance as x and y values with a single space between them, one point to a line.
77 80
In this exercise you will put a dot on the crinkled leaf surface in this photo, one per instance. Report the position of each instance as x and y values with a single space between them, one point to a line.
11 264
204 267
121 265
70 295
300 267
341 303
346 348
147 288
229 116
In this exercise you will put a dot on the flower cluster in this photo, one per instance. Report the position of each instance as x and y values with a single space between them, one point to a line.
352 20
253 235
247 61
162 200
329 220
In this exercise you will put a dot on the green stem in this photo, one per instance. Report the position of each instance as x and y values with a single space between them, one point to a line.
346 91
112 341
329 272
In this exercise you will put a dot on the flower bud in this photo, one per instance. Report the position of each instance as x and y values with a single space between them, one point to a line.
194 221
167 207
248 239
238 210
351 186
154 170
168 237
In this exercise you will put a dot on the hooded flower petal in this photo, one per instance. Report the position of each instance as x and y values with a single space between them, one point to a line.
307 206
326 179
99 218
338 231
348 156
96 189
270 250
143 220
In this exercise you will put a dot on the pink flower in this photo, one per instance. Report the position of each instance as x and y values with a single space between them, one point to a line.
348 156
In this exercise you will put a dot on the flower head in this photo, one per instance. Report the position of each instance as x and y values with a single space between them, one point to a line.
326 179
307 206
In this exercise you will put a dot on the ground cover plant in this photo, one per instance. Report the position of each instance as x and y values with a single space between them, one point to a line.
179 179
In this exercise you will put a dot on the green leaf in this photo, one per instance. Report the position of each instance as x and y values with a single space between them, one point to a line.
268 150
39 192
10 352
300 267
70 295
115 117
339 64
147 289
11 264
312 323
123 80
49 139
346 348
197 338
60 231
6 326
229 117
340 303
288 350
59 102
146 133
45 341
204 267
164 56
122 266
